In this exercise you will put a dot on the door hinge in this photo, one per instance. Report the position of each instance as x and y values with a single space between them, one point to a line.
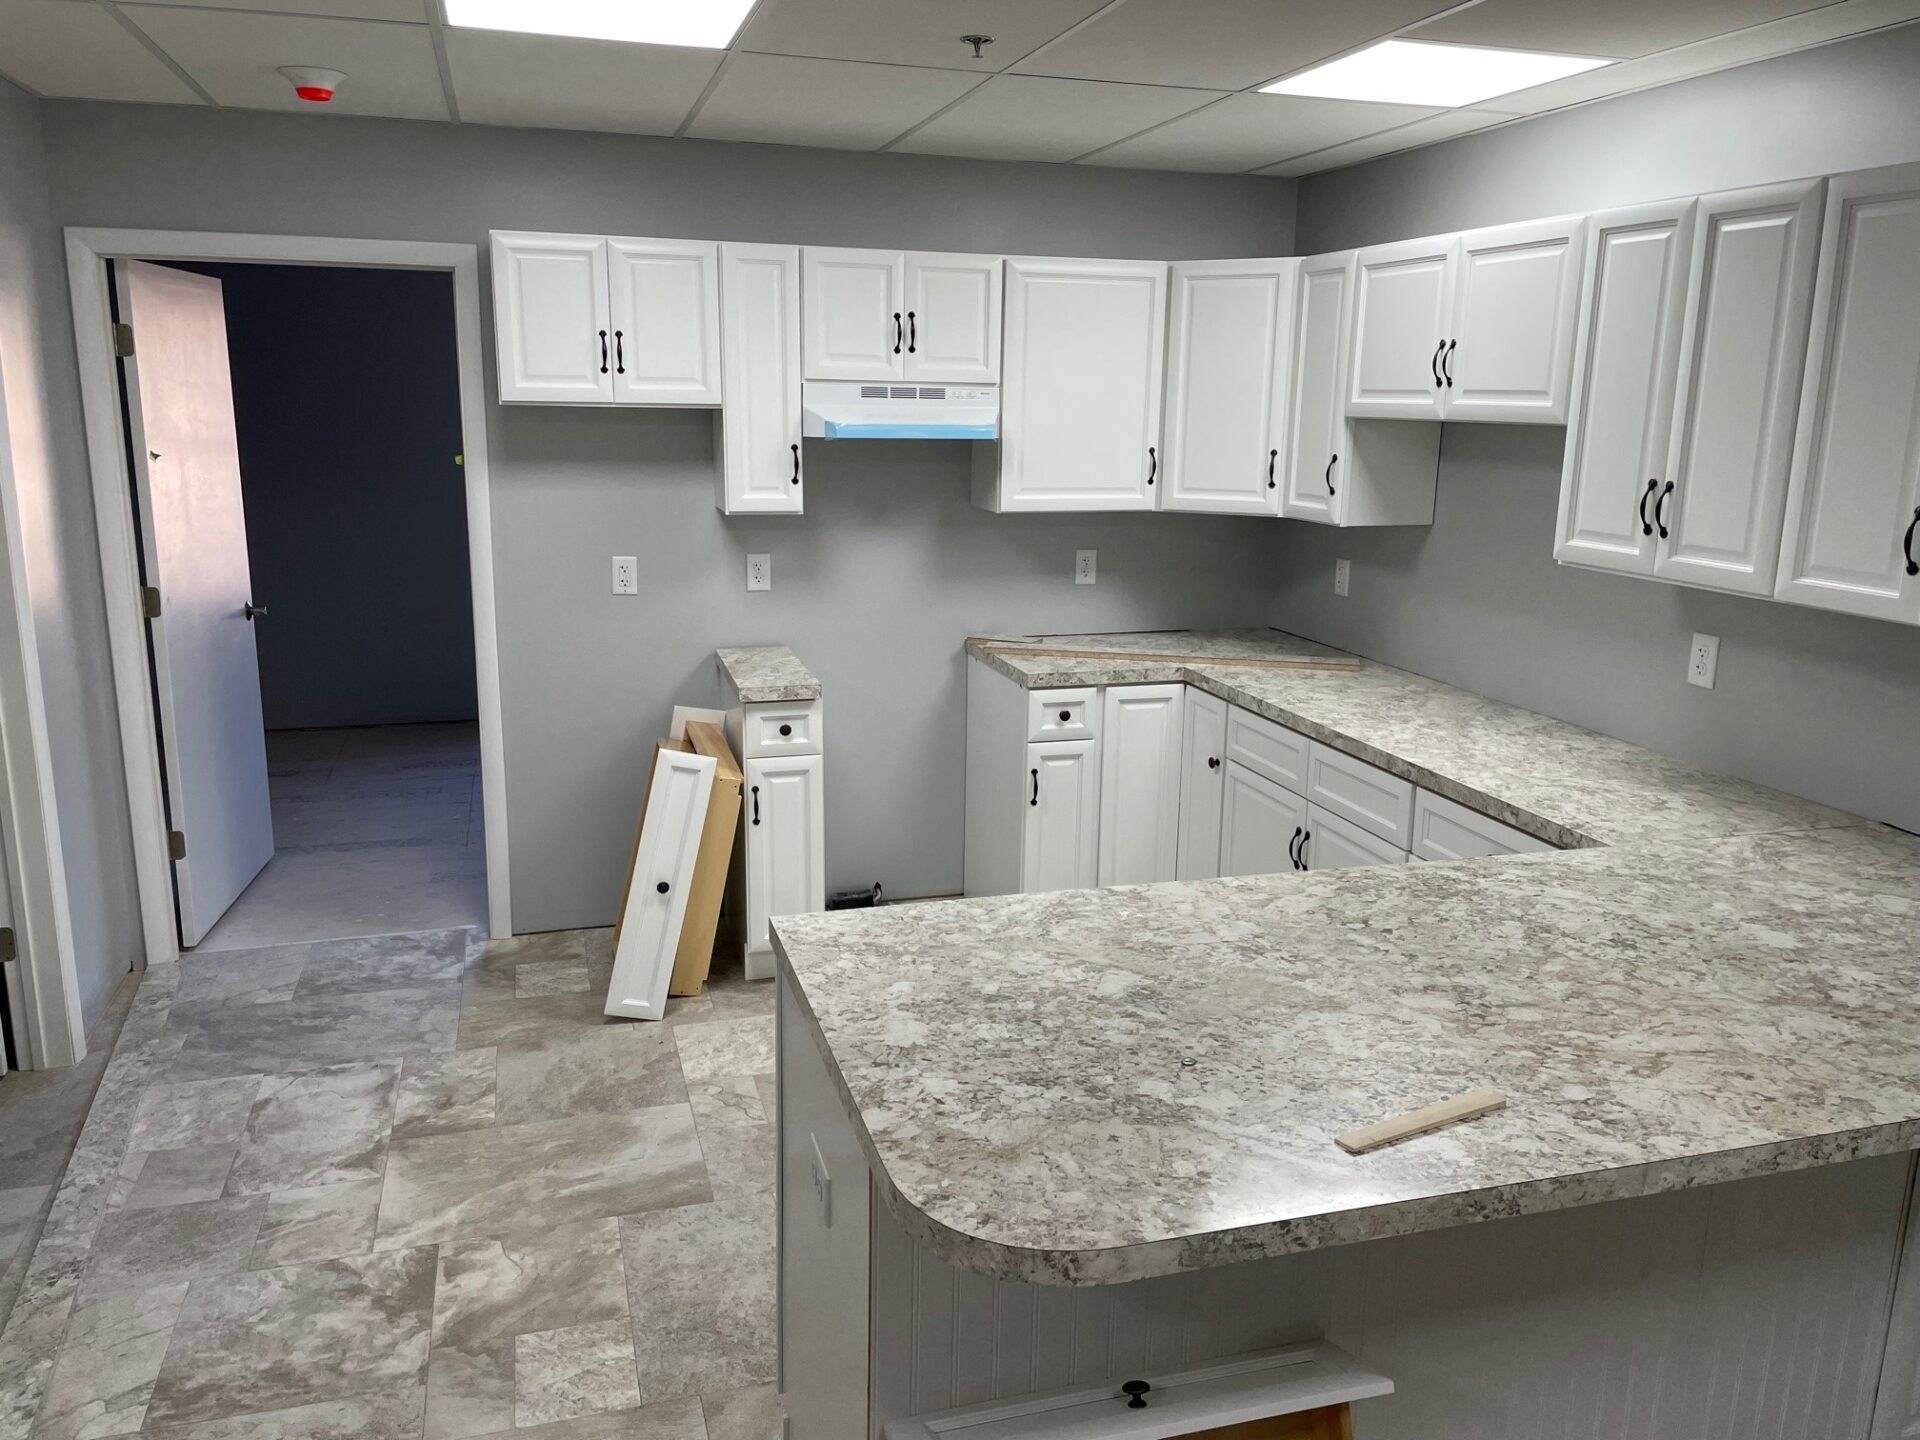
150 601
123 341
8 949
176 844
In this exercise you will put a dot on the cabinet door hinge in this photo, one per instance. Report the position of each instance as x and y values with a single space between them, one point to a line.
8 948
177 844
150 601
123 341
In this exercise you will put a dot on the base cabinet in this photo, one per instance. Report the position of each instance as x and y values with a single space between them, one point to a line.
1140 783
786 848
1203 776
1260 824
1060 835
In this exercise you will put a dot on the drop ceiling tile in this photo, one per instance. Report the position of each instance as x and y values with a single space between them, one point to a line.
839 104
911 32
235 54
410 10
1244 132
545 80
74 49
1433 129
1623 28
1220 44
1036 117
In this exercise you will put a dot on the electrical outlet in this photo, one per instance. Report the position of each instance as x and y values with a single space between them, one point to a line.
626 575
1342 575
759 572
1084 566
1702 659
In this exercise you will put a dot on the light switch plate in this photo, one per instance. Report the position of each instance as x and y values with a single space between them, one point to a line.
759 572
1085 566
1702 660
1342 576
626 575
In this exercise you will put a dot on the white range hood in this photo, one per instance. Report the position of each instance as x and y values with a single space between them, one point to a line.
863 410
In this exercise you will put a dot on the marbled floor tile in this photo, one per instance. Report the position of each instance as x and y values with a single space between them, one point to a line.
41 1112
438 1093
392 1414
28 1347
175 1177
108 1364
550 977
384 962
272 1340
480 1182
317 1222
176 1242
732 996
669 1420
193 1112
543 1278
769 1087
326 1127
606 1071
700 1285
750 1413
727 1047
507 1021
313 1033
20 1210
470 1390
741 1159
579 1370
240 977
726 1100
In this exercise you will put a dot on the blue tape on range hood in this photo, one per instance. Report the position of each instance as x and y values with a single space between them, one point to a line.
848 430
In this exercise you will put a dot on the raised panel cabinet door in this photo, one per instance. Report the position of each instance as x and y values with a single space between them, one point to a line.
1852 539
665 297
786 846
550 318
1402 322
855 304
1060 841
655 905
1331 843
1227 332
1718 513
1509 354
1316 428
1080 389
1203 761
1140 784
1626 359
759 423
953 318
1260 823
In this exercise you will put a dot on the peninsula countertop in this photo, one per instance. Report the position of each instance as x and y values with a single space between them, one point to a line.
1716 982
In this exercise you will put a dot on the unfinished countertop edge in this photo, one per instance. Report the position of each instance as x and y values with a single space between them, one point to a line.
766 674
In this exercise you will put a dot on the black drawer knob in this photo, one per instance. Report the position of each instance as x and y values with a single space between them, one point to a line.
663 887
786 730
1065 716
1213 762
1136 1393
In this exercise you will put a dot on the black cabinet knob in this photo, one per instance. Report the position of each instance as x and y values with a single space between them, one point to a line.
663 887
786 730
1213 762
1065 716
1136 1393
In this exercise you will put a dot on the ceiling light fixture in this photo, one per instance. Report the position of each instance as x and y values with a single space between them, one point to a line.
1421 72
706 24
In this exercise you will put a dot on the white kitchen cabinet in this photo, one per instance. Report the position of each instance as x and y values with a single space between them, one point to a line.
1060 839
1139 803
1228 333
888 315
1261 823
1333 843
758 427
1080 388
551 319
1203 749
953 318
1509 355
1402 316
1852 536
785 827
1444 829
664 300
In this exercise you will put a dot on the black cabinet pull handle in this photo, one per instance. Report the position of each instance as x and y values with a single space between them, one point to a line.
620 351
1332 460
899 335
1136 1393
786 730
663 887
1297 832
1446 363
1435 363
1272 455
1036 787
603 352
913 334
756 804
1906 545
1646 525
796 464
1301 858
1153 464
1213 762
1660 510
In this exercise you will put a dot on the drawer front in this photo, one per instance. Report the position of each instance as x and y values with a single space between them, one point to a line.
1268 749
781 730
1377 802
1336 844
1063 714
1444 829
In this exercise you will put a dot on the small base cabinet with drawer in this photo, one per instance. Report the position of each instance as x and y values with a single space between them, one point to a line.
783 849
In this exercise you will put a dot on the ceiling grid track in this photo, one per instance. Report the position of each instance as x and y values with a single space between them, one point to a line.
132 27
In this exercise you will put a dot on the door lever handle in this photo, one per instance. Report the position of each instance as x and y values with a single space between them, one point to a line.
250 611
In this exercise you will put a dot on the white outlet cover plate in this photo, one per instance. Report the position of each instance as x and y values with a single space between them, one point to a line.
626 575
1086 567
1703 658
759 572
1342 576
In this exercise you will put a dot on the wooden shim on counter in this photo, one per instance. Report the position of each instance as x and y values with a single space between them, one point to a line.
1137 657
1469 1105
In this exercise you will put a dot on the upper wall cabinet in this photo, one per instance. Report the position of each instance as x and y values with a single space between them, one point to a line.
1081 388
1229 332
884 315
1402 315
587 320
758 426
1852 538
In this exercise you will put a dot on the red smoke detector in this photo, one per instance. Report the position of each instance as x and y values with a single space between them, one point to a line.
313 83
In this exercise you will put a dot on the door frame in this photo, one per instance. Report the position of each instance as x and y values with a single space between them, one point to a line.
88 251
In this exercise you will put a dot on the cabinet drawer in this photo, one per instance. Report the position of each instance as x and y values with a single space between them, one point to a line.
1377 802
1336 844
1444 829
1268 749
781 730
1062 714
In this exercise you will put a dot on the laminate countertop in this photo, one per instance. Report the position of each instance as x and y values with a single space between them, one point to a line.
766 674
1714 981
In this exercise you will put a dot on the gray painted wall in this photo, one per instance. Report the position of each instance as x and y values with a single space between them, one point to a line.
876 587
1823 705
63 567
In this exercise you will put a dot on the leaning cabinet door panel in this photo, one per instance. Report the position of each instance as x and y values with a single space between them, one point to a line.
1228 331
655 904
856 314
953 318
1509 352
1260 823
1316 426
1402 320
550 318
1626 357
665 297
1060 846
1853 514
1140 784
1203 751
759 423
1718 513
786 842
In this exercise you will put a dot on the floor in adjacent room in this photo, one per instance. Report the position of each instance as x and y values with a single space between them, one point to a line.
377 831
412 1186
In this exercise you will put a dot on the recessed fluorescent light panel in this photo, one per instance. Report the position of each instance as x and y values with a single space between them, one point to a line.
1419 72
708 24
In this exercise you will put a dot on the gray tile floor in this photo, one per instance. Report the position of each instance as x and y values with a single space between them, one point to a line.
377 831
410 1186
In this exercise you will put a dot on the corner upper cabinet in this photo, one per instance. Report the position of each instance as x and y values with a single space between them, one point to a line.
664 300
1228 330
884 315
1080 388
758 426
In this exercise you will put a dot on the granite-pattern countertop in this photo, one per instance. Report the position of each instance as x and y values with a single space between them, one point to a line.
1718 983
767 674
1047 669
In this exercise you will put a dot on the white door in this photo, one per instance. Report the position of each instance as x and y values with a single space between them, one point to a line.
1316 427
1626 359
1718 513
1060 842
953 318
1203 750
759 425
1402 325
1260 824
1852 538
786 847
1140 783
665 299
1228 334
655 906
193 528
1333 843
551 319
1510 349
1080 397
855 304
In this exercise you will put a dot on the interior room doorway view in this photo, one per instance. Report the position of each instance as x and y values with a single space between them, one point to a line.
293 437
